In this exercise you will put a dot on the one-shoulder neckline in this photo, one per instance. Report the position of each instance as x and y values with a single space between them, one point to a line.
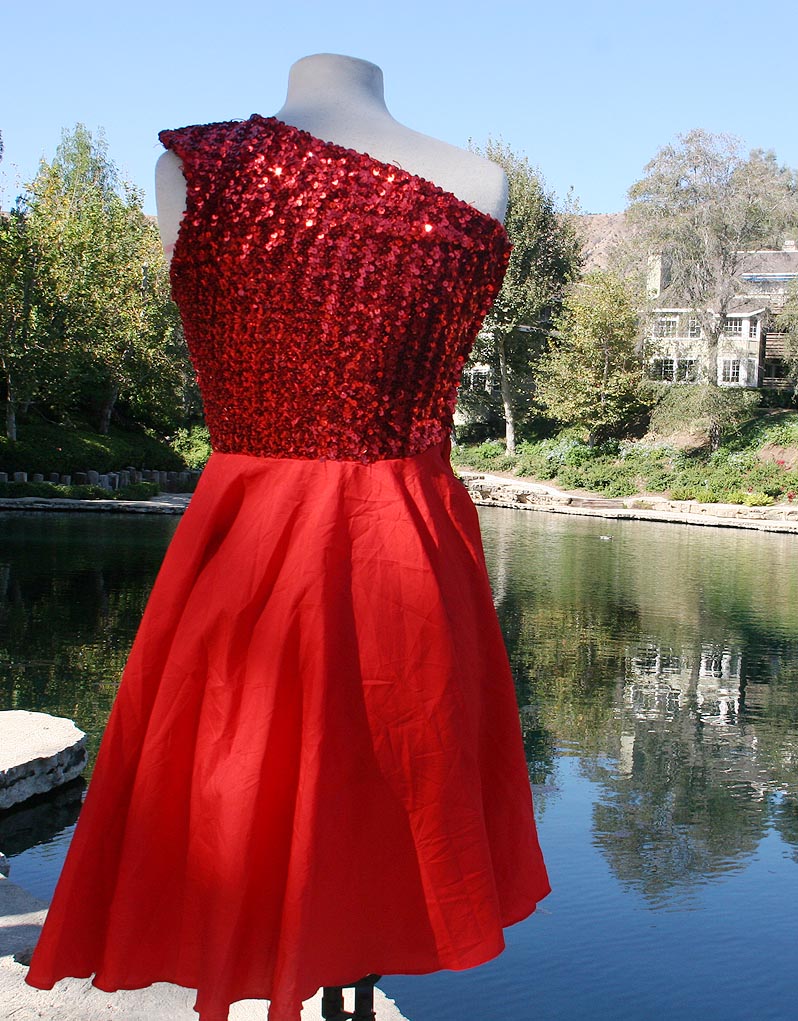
376 162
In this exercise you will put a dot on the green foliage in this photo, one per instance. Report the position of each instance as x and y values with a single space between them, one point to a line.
545 256
92 324
733 474
488 456
591 374
777 428
27 360
44 447
193 446
137 491
702 409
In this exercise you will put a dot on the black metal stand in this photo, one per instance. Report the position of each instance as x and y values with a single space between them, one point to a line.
332 1001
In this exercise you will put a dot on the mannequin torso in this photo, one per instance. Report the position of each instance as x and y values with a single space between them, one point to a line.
340 99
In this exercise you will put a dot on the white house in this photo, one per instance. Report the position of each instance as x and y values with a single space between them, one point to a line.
750 352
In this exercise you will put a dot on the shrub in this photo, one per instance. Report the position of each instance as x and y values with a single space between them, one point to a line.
757 499
192 446
488 456
137 491
531 460
733 474
702 408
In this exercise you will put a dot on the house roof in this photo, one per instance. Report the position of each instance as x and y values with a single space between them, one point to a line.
770 265
740 307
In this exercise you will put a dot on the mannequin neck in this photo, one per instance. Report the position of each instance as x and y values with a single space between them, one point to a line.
328 83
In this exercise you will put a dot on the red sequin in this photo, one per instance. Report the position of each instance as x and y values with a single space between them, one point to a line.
329 300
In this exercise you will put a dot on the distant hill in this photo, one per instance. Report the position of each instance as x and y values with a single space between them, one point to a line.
601 233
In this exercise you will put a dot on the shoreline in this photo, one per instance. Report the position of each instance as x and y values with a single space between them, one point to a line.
489 490
164 503
494 490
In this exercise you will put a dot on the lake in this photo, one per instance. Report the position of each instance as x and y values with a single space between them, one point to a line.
656 668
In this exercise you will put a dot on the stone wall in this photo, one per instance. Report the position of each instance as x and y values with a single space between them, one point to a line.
167 481
495 491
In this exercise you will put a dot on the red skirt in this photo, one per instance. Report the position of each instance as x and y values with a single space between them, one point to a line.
313 770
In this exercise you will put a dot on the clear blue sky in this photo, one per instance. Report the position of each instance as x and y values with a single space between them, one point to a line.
587 89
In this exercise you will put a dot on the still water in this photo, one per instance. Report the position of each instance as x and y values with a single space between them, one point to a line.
656 668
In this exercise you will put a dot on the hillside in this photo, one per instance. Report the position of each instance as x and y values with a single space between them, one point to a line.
601 233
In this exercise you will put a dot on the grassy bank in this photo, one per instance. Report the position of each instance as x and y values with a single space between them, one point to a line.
757 465
43 447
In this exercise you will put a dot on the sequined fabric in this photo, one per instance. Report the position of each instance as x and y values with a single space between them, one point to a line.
329 300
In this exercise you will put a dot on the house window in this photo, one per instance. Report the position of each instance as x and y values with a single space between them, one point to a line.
662 369
752 328
733 327
666 326
478 377
731 370
693 327
686 370
674 370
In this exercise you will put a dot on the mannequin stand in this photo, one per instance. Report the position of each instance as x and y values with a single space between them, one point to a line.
332 1001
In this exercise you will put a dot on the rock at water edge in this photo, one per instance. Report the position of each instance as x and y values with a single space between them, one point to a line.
38 752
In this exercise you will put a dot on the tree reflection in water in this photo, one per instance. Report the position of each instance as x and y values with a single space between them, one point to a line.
666 661
72 591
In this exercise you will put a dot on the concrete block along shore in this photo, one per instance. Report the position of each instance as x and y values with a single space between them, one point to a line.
37 753
522 494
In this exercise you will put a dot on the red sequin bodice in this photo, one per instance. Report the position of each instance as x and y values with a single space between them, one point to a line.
329 300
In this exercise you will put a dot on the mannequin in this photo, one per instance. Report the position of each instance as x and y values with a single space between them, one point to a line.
314 766
341 99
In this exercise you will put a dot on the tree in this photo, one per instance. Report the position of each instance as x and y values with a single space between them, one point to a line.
545 258
591 373
787 322
701 204
114 320
25 355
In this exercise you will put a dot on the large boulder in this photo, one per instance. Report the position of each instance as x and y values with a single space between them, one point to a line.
37 753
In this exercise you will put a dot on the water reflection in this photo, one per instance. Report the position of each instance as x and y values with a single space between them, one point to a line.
666 660
72 591
661 664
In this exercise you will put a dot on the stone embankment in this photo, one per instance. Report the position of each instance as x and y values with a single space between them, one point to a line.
166 503
523 494
167 481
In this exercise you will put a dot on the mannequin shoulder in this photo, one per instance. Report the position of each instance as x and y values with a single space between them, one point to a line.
170 198
472 178
169 172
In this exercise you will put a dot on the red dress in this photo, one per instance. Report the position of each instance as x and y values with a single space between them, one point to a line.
313 769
